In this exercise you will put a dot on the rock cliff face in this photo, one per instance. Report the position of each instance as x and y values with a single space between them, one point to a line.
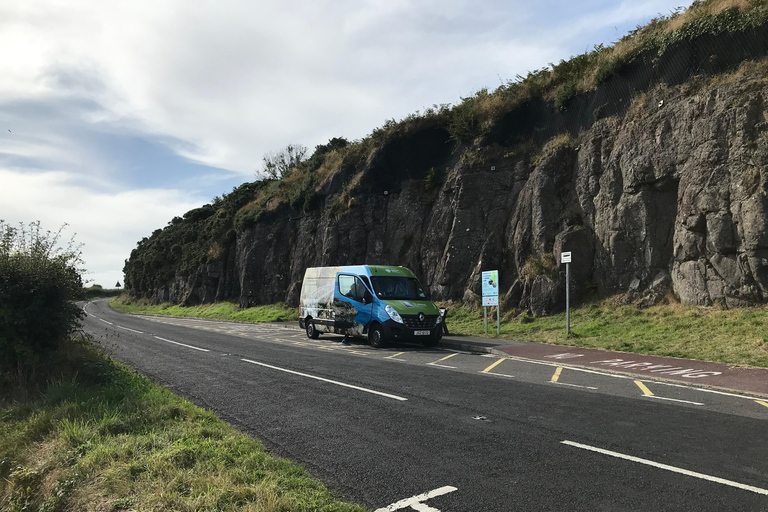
659 186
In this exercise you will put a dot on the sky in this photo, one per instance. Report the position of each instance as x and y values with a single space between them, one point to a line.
116 116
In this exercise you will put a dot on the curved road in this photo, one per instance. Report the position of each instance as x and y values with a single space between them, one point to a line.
408 428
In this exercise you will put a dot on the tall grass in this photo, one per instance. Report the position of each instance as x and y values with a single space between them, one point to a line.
105 438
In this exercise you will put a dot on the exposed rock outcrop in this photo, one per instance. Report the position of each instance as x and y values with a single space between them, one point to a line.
665 189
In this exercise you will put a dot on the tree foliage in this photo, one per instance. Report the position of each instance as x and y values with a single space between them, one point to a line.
39 282
279 164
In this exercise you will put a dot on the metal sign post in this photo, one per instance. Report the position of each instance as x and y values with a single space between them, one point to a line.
565 257
490 282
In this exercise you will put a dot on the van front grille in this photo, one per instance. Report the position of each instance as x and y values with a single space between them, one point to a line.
414 322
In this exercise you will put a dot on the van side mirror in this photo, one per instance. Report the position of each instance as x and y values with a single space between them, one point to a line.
367 297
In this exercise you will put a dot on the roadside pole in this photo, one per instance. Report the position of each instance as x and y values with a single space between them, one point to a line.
565 257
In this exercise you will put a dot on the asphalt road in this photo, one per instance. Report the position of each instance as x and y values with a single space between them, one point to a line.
407 428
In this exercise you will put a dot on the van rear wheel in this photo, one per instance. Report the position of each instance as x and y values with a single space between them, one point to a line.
312 332
376 337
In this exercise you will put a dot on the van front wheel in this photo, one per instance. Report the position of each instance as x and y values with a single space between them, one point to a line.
312 332
376 337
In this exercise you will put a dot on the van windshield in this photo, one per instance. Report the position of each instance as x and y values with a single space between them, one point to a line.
398 288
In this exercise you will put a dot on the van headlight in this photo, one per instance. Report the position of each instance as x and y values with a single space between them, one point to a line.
394 315
439 319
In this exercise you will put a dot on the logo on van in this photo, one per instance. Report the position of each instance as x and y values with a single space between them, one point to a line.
421 317
407 304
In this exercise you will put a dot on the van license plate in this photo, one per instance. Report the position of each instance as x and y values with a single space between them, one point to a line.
421 333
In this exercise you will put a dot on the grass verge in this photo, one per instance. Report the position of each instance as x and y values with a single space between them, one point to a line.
220 310
736 336
99 436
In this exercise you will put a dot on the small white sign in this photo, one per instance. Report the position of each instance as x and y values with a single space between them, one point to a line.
565 257
491 300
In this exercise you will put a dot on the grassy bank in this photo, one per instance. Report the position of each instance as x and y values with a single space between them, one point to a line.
221 310
98 436
737 336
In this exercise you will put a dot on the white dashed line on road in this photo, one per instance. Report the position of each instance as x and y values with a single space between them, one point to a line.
127 329
110 323
668 468
182 344
387 395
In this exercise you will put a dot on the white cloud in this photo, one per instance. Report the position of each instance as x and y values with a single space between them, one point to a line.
118 96
238 79
108 224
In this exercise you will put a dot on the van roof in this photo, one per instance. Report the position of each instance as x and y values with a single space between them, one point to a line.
361 270
386 270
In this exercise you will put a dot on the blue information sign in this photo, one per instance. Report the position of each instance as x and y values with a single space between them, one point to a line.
491 283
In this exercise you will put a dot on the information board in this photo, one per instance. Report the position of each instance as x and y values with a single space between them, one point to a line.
491 283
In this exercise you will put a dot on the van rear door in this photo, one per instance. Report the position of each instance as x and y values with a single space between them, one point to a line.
353 305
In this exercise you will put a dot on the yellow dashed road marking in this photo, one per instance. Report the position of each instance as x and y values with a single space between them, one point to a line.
645 390
494 365
446 357
557 374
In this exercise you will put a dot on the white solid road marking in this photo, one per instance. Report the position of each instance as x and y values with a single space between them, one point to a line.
672 399
183 344
110 323
669 468
395 397
417 502
572 385
127 329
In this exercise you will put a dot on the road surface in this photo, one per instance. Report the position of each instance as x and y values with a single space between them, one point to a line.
409 428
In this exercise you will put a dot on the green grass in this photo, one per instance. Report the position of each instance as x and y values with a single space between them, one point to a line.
221 310
99 436
737 336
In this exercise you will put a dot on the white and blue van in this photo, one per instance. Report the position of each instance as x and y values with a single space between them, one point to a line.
380 303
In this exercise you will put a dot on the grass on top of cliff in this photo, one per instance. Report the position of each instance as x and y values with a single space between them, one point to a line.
220 310
93 435
735 336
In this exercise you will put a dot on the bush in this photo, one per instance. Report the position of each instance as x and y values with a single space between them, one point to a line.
39 282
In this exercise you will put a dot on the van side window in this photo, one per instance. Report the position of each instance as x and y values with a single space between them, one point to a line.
352 287
347 286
